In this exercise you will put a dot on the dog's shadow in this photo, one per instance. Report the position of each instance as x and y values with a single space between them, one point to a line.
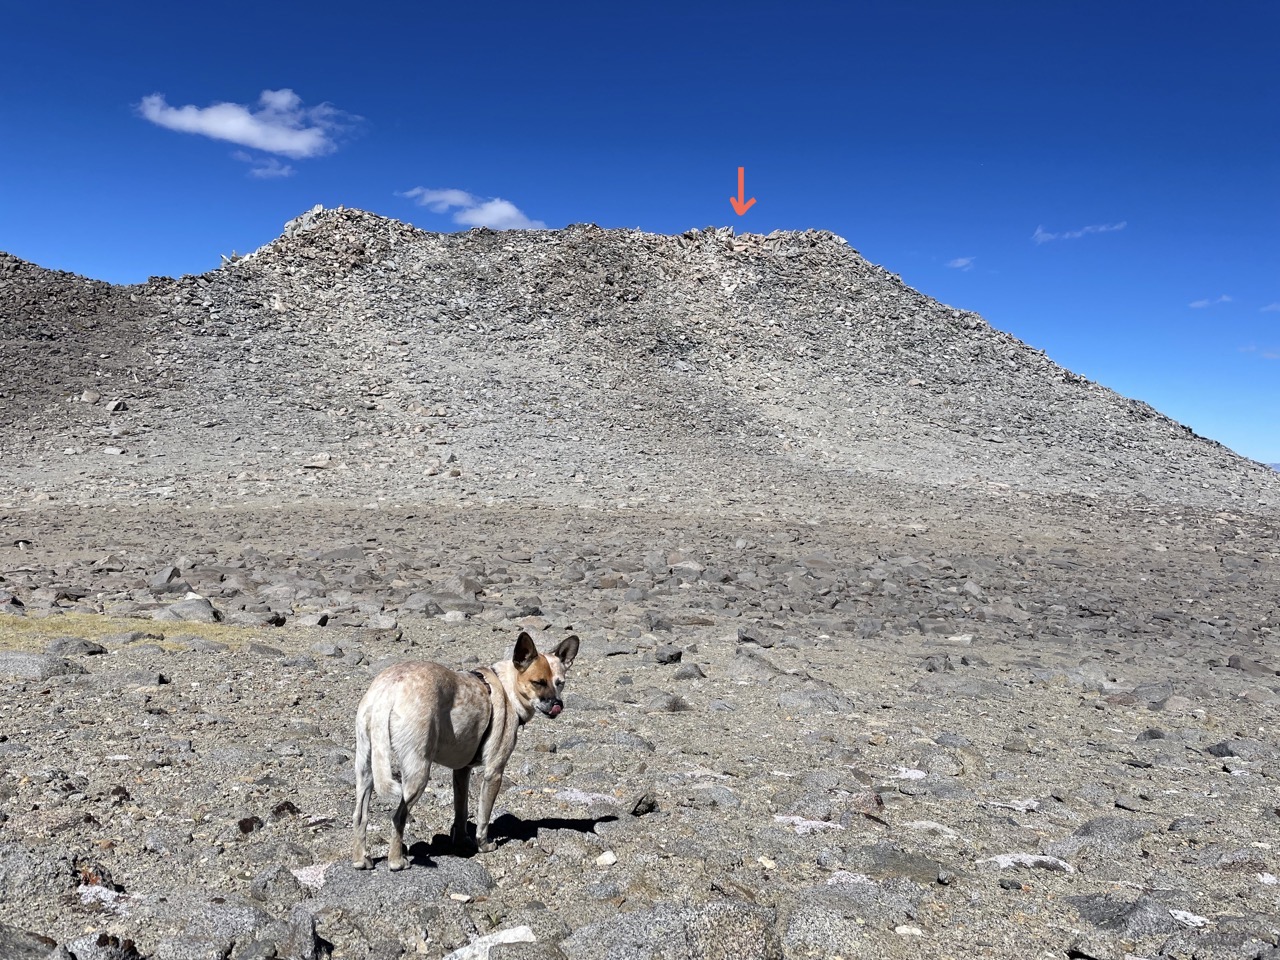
505 829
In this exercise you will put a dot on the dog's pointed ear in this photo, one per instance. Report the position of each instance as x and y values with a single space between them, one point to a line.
525 653
567 650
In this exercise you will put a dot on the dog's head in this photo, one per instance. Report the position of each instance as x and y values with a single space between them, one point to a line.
540 677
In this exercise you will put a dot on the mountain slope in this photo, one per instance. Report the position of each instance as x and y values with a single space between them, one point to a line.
605 365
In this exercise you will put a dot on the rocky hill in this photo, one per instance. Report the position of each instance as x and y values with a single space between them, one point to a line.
898 640
708 367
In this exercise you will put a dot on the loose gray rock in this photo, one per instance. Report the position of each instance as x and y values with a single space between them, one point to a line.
74 647
36 666
97 946
17 944
716 931
196 609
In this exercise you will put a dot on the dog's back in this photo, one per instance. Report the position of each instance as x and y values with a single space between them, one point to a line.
413 714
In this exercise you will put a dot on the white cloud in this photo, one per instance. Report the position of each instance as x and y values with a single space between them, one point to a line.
499 214
1044 236
280 124
1265 353
474 211
265 168
1200 304
439 201
1271 308
961 263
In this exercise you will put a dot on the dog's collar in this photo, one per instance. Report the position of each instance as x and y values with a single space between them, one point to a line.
485 680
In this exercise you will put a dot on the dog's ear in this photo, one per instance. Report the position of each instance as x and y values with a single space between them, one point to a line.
525 653
567 650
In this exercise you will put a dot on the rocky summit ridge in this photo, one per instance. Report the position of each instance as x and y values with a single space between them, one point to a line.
710 365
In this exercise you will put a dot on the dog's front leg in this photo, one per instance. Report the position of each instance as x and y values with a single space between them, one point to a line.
489 788
461 785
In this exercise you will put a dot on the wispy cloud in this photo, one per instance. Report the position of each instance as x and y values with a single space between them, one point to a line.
1271 308
1266 353
473 211
961 263
280 124
1044 236
1201 304
264 168
439 201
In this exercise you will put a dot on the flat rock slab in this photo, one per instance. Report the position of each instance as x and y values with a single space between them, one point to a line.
716 931
74 647
17 944
36 666
195 609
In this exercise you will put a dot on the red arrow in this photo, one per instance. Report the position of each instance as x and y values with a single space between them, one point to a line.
740 204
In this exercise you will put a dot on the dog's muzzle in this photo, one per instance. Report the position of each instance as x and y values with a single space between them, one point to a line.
552 710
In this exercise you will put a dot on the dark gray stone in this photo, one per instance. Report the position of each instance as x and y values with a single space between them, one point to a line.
74 647
16 944
275 884
15 665
194 609
1143 917
668 653
98 946
754 633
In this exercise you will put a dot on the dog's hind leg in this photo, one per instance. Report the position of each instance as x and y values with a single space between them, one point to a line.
414 772
395 856
364 793
461 785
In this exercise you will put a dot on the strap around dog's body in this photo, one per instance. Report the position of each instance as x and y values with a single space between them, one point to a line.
488 727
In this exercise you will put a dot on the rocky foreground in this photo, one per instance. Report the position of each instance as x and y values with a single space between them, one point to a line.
898 639
896 737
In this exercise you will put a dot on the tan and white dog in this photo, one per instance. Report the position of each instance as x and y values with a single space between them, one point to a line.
424 713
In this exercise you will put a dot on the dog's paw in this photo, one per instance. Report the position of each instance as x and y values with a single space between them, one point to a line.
487 846
461 840
401 864
364 863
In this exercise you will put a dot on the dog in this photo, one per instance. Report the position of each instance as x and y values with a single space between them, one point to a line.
424 713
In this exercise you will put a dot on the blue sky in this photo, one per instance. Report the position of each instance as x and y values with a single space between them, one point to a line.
1100 179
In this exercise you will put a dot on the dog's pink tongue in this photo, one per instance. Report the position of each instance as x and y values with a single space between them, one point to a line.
555 709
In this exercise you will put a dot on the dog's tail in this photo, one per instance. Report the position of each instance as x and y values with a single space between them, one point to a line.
364 756
375 730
